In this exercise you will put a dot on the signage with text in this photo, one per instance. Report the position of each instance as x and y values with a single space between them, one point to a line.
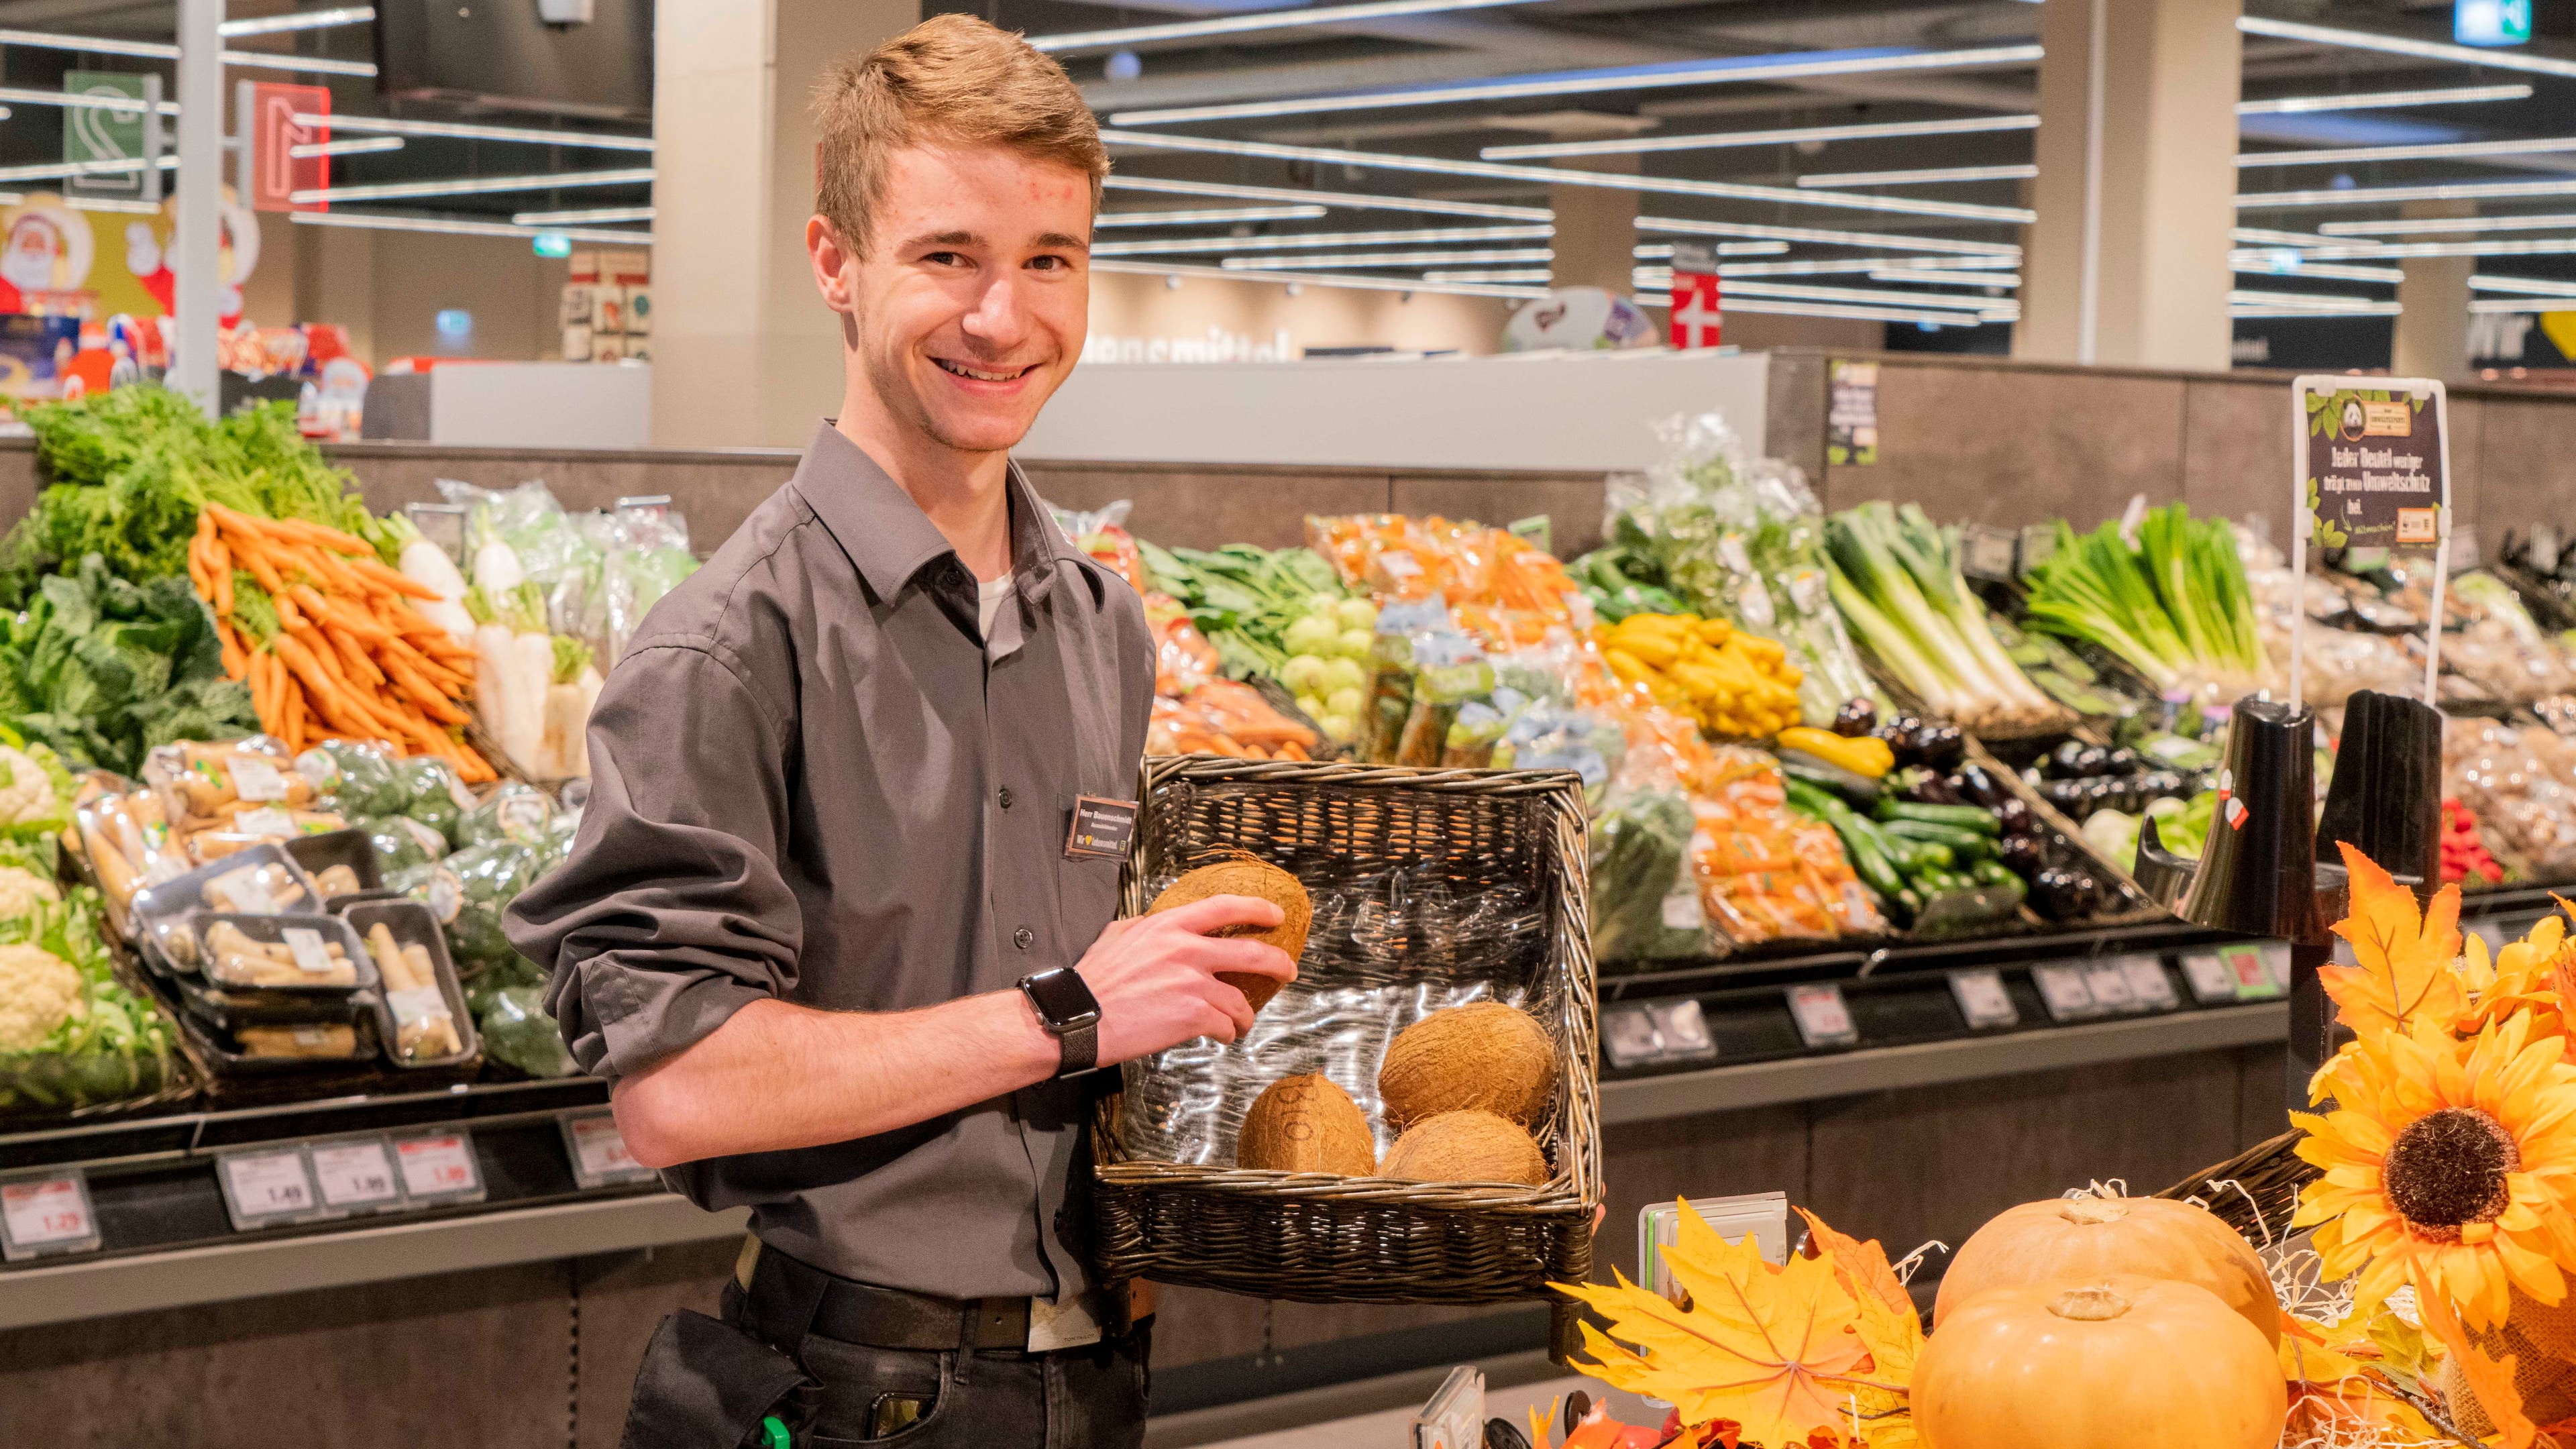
277 173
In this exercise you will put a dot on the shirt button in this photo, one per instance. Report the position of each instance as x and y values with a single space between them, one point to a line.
1006 797
1023 937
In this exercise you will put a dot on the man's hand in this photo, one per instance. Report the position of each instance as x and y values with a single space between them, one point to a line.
1155 976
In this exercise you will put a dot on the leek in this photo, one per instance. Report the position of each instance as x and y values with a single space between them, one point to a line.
1895 576
2175 606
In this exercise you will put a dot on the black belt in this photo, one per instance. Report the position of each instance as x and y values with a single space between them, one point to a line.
788 1299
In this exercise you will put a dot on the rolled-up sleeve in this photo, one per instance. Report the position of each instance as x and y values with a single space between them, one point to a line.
671 913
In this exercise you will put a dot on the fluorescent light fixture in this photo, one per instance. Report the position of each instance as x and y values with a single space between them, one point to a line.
1319 279
592 215
2403 45
2518 304
2284 304
2282 238
2265 264
2524 286
93 203
1660 251
2434 191
1553 175
1070 41
51 170
1347 200
1831 266
299 20
1312 240
300 64
1945 279
459 226
2525 247
1925 177
1709 141
1787 65
2383 100
533 135
472 186
1207 216
355 146
130 105
2416 225
158 50
1498 274
1647 281
1867 296
1364 260
2431 151
1894 241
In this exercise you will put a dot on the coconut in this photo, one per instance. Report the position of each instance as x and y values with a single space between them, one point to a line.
1489 1057
1241 875
1466 1146
1306 1124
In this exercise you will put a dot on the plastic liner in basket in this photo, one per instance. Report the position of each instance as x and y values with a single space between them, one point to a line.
1392 941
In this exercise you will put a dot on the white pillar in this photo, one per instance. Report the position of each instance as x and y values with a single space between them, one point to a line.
198 242
2127 262
743 351
2432 338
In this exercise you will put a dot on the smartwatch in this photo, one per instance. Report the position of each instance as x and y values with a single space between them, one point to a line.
1067 1008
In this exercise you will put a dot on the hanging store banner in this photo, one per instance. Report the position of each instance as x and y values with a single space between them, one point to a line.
1696 314
94 134
277 173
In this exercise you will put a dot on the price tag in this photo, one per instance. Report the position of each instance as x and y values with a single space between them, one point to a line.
2543 557
1628 1035
2110 986
254 778
1823 1018
266 820
356 1174
598 1153
45 1214
1683 911
2038 545
1684 1028
1989 553
440 1167
305 944
2149 983
266 1186
2276 959
1983 1000
2252 974
2063 990
2210 979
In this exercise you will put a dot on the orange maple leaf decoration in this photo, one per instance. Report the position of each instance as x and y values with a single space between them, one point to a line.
2403 957
2489 1378
1778 1352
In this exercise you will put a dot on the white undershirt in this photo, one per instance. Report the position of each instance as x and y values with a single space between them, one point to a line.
994 592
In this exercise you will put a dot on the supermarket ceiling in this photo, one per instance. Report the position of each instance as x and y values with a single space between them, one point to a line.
1851 157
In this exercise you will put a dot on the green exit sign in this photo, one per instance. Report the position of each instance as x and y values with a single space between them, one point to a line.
2491 22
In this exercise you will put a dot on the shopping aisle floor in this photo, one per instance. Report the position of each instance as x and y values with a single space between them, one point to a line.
1389 1430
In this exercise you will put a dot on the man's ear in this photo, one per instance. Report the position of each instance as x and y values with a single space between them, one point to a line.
833 260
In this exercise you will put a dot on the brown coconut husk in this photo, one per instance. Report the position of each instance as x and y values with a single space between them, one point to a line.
1239 874
1466 1147
1306 1124
2542 1341
1486 1057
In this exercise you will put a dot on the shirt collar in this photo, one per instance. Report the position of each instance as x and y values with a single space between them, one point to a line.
890 539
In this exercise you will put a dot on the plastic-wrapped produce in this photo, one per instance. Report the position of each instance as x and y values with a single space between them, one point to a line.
517 1030
469 891
434 796
1645 899
2518 784
512 811
355 778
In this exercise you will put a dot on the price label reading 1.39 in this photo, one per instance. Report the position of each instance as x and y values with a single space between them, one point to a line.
440 1167
266 1186
46 1214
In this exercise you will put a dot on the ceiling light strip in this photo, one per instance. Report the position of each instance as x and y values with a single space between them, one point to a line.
590 215
2431 151
2524 286
298 20
1790 65
1794 136
1365 260
533 135
161 50
2265 264
1830 266
1207 216
457 226
1864 295
1947 279
354 146
1348 283
129 105
2433 191
2405 45
52 170
1347 200
2382 100
2281 238
1068 42
1560 176
2307 301
1895 241
2413 225
2518 304
472 186
2526 247
1312 240
1499 274
1925 177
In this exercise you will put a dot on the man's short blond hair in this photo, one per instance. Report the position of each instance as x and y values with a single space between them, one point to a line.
951 80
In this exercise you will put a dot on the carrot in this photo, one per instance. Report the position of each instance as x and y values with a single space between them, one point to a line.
452 683
398 582
360 667
220 558
234 667
290 726
432 703
259 700
324 693
255 558
305 530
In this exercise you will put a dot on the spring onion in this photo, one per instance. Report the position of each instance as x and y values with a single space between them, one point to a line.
1895 576
2174 605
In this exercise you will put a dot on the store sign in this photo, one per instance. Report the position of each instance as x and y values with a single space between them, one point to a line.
1851 413
2491 22
95 134
1218 345
2375 461
277 173
1697 319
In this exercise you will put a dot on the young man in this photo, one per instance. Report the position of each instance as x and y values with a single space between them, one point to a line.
826 928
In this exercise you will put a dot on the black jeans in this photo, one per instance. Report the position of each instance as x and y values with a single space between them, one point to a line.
1075 1398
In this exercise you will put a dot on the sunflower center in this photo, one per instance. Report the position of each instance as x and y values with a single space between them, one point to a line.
2447 1168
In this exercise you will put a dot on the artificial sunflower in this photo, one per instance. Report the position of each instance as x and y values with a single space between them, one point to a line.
2535 974
2449 1165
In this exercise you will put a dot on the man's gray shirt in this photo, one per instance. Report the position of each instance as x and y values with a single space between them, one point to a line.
811 780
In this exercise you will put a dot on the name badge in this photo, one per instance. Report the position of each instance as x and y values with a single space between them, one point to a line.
1101 829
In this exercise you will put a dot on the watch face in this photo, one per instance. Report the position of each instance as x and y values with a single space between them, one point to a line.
1063 998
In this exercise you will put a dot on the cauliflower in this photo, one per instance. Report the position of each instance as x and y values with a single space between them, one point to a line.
26 791
39 991
21 889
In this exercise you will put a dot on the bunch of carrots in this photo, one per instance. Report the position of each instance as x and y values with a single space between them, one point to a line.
347 656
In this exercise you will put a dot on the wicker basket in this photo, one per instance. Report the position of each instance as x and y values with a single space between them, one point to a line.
2267 1178
1325 1239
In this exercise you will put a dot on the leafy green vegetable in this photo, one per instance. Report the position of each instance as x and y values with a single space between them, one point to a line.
1895 576
2176 606
101 669
1243 598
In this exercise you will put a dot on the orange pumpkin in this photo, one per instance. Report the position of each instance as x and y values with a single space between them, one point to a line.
2086 1237
2111 1363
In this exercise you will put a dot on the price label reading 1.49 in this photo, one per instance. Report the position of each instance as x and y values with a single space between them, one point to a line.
439 1167
266 1186
46 1214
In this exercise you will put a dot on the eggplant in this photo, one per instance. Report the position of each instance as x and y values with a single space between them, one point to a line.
1934 789
2124 761
1900 734
1855 719
1942 746
2015 817
1979 786
2023 853
2063 763
2058 894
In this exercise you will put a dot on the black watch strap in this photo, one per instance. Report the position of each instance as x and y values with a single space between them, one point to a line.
1081 1049
1069 1012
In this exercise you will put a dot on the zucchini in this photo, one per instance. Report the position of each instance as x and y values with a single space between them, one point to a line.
1960 817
